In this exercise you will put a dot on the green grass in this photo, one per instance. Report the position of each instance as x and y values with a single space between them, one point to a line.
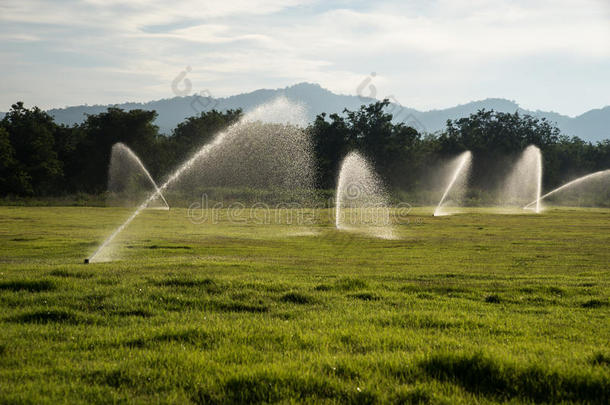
471 308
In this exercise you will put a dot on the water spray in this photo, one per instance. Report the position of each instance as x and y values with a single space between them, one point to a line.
568 184
120 148
359 188
280 111
461 170
525 180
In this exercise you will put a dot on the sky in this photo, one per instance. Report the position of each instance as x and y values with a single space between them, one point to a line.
551 55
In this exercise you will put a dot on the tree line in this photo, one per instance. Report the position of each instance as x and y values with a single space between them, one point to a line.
39 157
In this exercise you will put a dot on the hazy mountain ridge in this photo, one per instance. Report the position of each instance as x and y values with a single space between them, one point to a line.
594 125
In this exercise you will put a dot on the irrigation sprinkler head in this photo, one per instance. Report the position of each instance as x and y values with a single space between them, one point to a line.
86 261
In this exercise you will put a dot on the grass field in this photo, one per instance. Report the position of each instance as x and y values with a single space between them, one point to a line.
471 308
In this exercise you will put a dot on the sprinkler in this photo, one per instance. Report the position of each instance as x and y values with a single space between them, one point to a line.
86 261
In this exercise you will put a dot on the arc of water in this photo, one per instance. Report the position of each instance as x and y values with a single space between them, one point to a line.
185 166
568 184
135 157
359 184
466 156
338 197
539 182
354 190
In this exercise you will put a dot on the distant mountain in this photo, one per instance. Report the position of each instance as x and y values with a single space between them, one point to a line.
593 125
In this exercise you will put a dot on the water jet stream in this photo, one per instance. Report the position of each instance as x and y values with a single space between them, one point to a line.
121 147
525 180
464 162
571 183
539 185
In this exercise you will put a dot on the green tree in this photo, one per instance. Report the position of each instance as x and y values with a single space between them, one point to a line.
39 157
197 131
12 178
495 139
32 154
330 143
391 147
134 128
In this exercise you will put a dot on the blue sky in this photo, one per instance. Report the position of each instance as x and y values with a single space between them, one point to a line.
544 54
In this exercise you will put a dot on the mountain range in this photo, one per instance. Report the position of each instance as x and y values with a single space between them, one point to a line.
593 125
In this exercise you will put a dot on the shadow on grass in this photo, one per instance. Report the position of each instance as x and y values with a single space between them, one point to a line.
118 378
70 274
50 316
23 239
412 395
493 299
254 388
170 247
364 296
594 304
297 298
601 359
268 388
141 313
27 285
486 376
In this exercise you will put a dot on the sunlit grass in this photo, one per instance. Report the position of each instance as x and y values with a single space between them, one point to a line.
476 307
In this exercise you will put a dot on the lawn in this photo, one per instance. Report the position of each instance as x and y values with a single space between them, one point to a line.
472 308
